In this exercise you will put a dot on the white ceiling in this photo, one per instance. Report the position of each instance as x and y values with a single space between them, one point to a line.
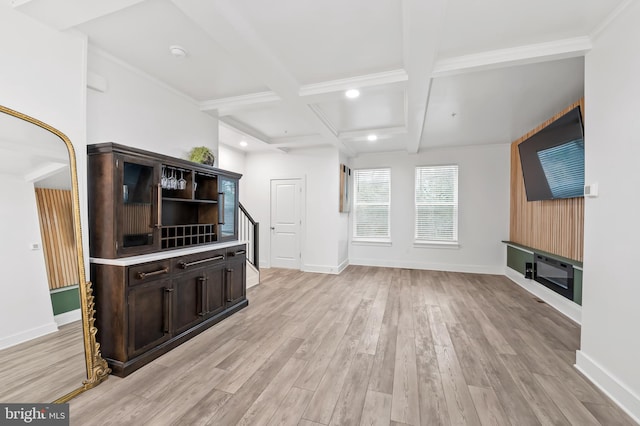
431 73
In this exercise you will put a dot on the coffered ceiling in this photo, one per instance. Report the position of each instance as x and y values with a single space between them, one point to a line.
430 73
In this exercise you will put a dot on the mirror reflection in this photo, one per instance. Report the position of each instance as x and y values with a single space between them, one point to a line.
41 334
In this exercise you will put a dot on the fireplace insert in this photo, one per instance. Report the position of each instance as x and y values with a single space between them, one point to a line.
554 274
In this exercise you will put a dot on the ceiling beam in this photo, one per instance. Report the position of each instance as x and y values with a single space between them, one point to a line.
520 55
243 128
46 170
378 79
380 132
227 106
422 25
229 28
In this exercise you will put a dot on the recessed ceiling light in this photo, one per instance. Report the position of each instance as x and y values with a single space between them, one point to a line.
178 51
372 138
243 143
352 93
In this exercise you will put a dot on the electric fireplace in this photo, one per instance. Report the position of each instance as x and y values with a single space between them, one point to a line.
554 274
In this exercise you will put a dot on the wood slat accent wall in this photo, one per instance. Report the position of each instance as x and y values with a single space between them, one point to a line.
555 226
137 219
56 227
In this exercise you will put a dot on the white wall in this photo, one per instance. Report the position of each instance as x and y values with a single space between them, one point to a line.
483 221
25 305
610 347
235 161
43 75
139 112
319 168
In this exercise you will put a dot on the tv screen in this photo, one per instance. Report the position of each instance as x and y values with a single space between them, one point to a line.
553 160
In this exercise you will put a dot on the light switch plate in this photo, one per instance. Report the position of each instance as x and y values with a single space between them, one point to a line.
591 190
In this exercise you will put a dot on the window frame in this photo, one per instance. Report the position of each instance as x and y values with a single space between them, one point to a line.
450 243
383 241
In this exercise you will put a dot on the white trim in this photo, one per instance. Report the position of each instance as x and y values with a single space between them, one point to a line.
68 317
615 389
46 170
26 335
243 128
343 265
527 54
563 305
139 72
235 103
437 244
377 79
447 267
324 269
324 119
597 32
97 82
382 133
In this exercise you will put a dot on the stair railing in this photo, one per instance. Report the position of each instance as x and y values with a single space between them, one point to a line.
249 231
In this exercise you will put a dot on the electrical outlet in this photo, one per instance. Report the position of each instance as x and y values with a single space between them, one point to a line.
35 246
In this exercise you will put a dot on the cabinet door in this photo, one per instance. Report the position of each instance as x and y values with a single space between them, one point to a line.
138 199
189 299
227 208
215 297
149 309
236 280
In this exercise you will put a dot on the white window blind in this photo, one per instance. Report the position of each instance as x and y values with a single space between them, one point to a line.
371 201
436 217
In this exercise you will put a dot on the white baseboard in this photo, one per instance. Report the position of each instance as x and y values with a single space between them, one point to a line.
343 266
27 335
68 317
322 269
628 401
474 269
563 305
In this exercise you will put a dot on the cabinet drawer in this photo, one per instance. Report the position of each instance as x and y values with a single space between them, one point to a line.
198 260
237 252
146 272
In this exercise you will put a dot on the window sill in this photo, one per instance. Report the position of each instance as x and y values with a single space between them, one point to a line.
437 244
379 243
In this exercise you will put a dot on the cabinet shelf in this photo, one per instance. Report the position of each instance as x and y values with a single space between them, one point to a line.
185 200
187 235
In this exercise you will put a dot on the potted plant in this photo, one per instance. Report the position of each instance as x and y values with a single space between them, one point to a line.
202 155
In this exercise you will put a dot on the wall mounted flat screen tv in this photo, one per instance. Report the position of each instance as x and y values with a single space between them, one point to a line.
553 160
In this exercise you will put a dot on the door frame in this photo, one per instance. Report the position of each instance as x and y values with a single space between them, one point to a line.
303 215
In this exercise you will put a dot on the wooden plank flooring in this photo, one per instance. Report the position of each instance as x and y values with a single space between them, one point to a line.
372 346
45 368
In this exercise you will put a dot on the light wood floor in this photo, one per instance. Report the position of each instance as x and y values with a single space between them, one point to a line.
372 346
43 369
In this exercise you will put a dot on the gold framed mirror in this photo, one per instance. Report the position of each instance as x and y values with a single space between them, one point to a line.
28 337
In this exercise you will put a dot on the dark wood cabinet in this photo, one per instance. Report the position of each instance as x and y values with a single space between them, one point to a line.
236 275
149 312
165 261
189 303
141 202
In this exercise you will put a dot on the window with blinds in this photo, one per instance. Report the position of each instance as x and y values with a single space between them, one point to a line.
436 197
371 202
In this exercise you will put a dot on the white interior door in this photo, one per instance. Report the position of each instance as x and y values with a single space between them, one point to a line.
286 221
